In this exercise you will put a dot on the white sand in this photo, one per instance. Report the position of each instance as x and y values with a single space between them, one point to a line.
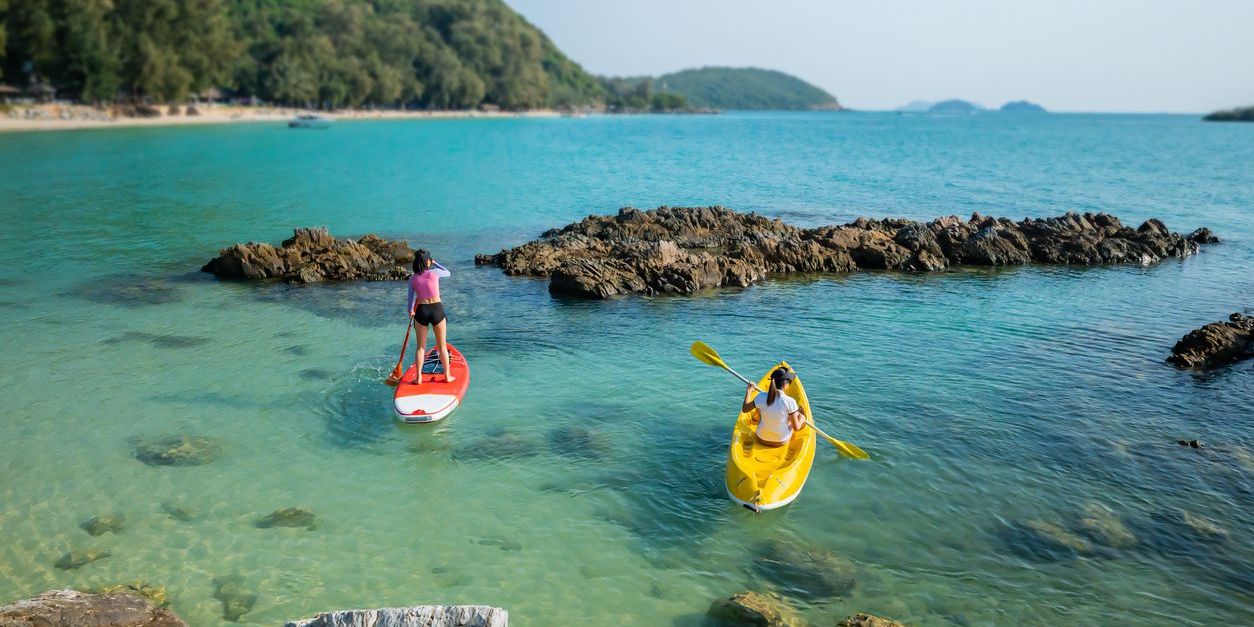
60 117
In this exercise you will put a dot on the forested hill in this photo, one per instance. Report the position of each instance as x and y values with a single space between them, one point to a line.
744 88
335 53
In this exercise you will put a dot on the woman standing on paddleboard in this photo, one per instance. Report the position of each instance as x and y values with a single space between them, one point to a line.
426 309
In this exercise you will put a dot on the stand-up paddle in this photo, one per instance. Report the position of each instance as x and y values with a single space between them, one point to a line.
399 370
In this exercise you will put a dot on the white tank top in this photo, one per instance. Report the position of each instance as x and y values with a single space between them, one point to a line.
774 425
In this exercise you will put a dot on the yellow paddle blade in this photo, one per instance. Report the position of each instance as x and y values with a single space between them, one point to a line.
703 352
849 450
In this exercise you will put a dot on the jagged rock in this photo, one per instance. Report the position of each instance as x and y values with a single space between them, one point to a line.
237 600
868 620
100 525
71 608
678 250
78 559
178 450
805 571
1203 236
755 608
289 517
418 616
311 255
1216 344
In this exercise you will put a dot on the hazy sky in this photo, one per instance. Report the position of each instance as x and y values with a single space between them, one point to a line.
1069 55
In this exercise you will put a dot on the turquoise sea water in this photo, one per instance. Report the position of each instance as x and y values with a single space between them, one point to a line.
581 483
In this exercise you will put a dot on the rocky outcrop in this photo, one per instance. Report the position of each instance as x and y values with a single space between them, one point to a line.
311 255
869 620
73 608
678 250
1216 344
419 616
755 608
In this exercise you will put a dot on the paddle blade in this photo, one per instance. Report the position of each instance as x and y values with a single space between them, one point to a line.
704 353
849 450
395 377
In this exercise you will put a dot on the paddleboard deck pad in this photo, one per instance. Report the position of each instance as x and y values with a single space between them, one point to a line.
433 398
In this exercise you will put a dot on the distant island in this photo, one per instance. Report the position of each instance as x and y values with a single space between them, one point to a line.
1240 114
955 107
963 107
745 89
1022 106
916 106
450 55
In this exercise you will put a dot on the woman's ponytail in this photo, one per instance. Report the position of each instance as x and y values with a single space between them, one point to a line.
779 380
421 257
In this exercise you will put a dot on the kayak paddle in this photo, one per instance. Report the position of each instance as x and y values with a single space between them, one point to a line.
705 354
398 371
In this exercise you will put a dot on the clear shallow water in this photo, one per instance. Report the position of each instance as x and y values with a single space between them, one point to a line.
988 398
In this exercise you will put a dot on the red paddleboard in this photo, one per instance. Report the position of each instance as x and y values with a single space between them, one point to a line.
434 398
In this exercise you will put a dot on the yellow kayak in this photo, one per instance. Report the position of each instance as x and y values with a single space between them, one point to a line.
763 477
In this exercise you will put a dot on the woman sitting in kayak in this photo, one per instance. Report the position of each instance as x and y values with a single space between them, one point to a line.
779 414
426 309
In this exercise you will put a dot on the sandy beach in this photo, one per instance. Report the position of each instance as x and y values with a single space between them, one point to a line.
64 117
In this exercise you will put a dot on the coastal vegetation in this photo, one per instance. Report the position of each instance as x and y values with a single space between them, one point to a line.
954 107
447 54
331 54
1240 114
744 89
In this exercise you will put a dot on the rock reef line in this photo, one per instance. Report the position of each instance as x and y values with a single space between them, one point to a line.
680 250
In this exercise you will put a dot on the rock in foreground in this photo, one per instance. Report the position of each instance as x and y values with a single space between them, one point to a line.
755 608
678 250
73 608
311 255
869 620
419 616
1216 344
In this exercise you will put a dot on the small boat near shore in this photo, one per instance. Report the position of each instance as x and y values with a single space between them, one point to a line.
309 120
765 477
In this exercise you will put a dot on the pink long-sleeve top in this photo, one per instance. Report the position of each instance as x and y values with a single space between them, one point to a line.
426 285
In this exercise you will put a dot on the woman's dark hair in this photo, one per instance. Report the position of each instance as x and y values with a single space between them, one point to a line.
421 257
779 380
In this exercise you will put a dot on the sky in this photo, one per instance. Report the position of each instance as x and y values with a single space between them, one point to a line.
1068 55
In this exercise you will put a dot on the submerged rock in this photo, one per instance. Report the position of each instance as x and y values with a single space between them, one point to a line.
129 290
1037 538
1103 526
178 450
497 447
418 616
680 250
289 517
755 608
812 573
178 512
868 620
78 559
237 600
1216 344
71 608
100 525
311 255
580 442
157 339
1195 526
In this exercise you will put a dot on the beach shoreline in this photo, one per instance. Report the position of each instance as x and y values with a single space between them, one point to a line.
66 117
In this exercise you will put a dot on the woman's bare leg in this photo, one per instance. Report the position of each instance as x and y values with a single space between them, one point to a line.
441 331
421 355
